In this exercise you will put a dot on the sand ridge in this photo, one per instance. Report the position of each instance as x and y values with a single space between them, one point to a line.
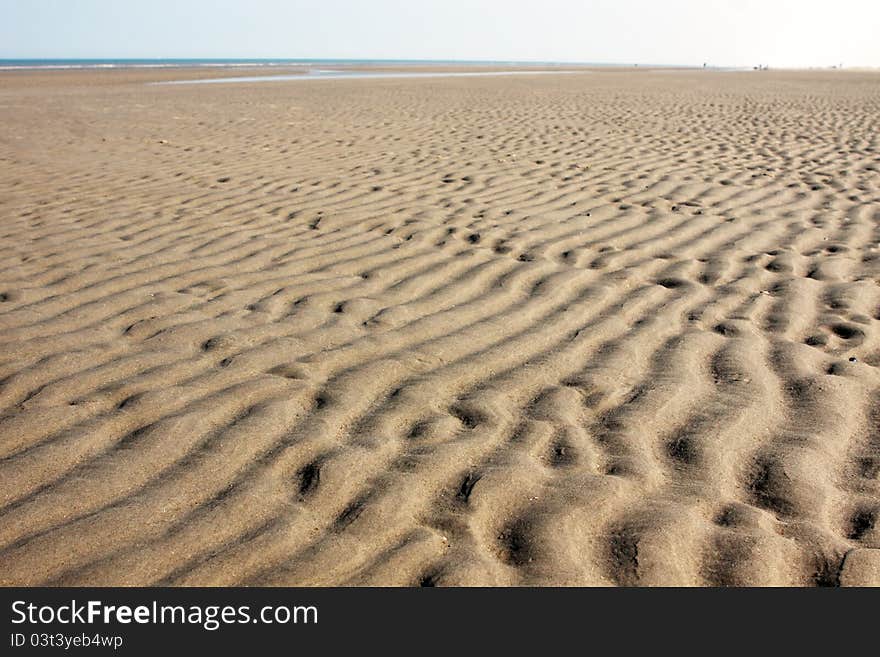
619 328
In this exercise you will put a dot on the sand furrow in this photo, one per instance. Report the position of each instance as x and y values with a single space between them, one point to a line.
618 329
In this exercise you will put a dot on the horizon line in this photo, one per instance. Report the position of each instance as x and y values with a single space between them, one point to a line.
550 62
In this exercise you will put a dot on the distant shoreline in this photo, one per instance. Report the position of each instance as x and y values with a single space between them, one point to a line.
8 64
348 74
163 63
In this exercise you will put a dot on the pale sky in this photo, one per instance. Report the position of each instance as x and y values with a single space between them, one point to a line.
780 33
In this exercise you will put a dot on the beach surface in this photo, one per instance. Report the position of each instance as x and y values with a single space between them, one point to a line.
615 327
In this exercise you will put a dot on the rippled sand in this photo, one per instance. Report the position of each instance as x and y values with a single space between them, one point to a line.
618 327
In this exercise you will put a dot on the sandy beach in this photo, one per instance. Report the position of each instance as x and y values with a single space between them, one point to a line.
615 327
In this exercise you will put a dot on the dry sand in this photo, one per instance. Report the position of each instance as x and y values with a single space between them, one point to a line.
617 327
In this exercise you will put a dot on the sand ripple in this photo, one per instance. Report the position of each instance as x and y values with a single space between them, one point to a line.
588 329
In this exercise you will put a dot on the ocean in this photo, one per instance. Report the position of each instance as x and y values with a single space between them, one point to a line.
179 63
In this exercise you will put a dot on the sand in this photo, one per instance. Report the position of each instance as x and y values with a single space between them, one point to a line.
605 328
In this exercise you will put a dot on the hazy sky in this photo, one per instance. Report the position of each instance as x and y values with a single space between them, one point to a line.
735 32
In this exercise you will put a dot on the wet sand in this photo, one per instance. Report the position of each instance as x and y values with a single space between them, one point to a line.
611 328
